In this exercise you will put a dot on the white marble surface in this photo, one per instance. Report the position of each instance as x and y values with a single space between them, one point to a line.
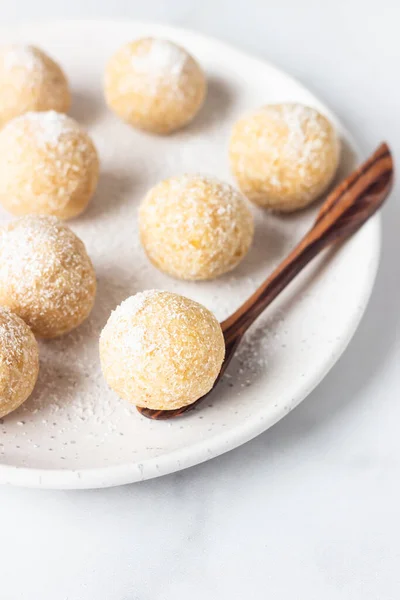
310 509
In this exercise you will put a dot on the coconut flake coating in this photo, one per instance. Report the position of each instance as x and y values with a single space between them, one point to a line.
154 84
19 361
30 80
194 227
284 156
46 276
48 165
160 350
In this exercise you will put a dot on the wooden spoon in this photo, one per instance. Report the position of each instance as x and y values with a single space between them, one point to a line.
345 210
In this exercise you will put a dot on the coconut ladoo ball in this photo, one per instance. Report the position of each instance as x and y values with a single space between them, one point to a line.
154 85
46 275
30 81
19 361
160 350
284 156
48 165
195 227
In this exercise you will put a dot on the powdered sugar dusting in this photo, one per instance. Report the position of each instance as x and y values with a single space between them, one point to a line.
13 336
47 127
124 315
300 127
305 135
162 59
132 305
19 56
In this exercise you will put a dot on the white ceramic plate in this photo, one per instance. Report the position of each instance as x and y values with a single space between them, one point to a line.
74 432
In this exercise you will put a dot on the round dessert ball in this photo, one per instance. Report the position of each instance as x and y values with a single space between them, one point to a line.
48 165
195 227
284 156
46 276
30 80
19 361
155 85
161 351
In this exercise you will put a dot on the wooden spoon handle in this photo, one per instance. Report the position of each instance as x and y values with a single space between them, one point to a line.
381 152
351 204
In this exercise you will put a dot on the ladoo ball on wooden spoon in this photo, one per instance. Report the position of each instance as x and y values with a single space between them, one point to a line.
160 350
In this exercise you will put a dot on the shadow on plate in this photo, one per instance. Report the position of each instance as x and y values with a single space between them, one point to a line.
86 107
217 103
113 286
268 248
56 385
113 190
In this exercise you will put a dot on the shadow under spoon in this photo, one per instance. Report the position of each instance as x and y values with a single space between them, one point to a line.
345 210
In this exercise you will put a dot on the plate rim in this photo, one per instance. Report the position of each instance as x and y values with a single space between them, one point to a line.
188 456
